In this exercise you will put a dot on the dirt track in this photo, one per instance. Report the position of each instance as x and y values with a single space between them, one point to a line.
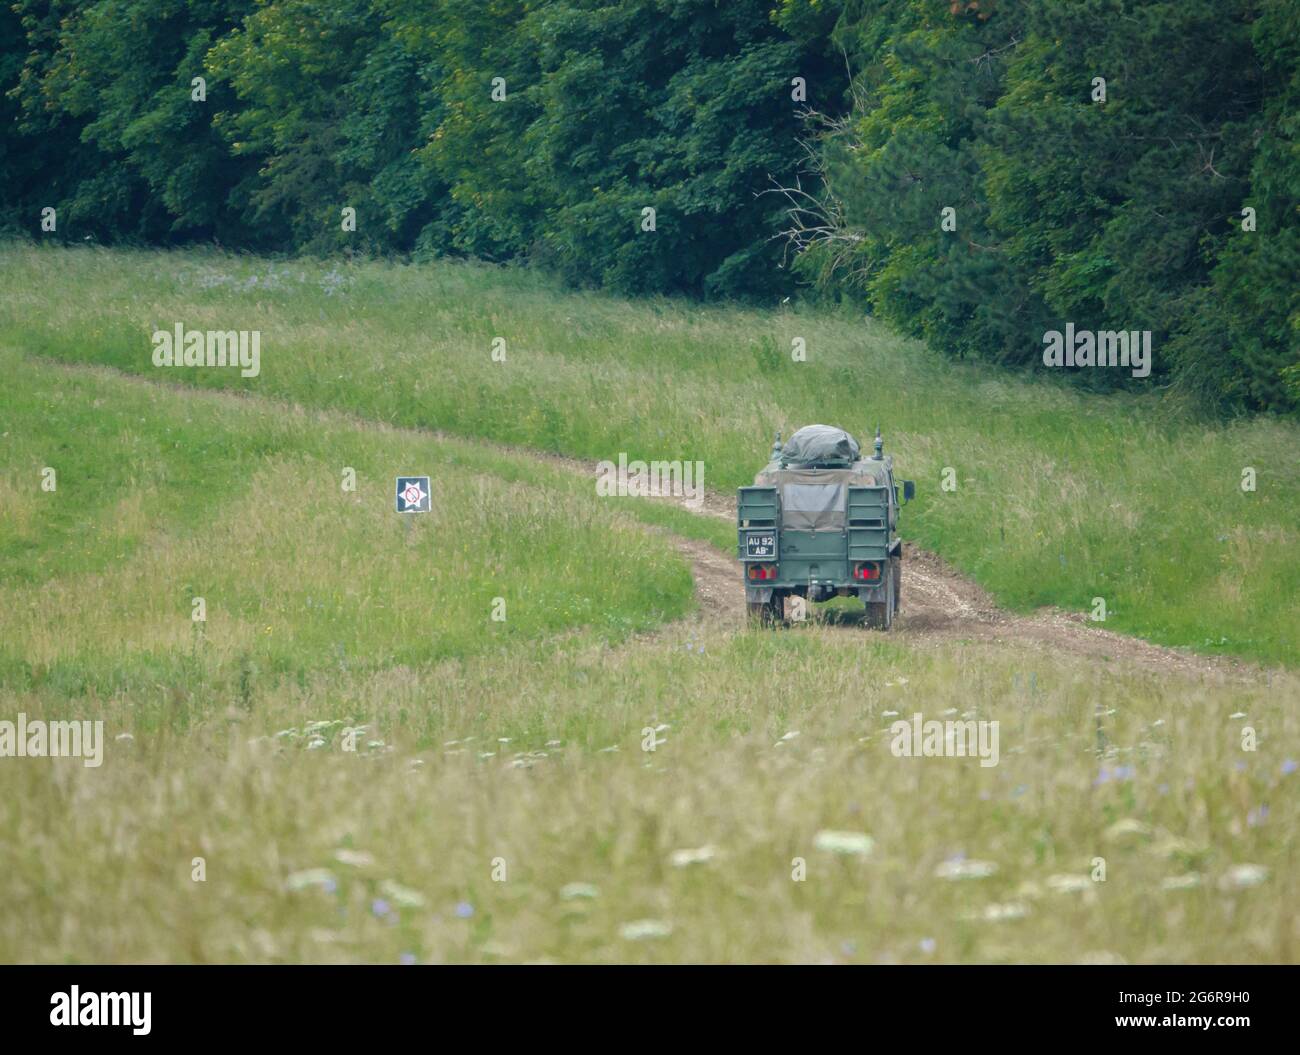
940 603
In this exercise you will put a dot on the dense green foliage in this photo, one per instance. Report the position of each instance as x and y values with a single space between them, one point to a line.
544 130
388 107
1122 211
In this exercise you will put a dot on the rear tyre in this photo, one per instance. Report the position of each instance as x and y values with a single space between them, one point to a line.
880 614
767 613
896 568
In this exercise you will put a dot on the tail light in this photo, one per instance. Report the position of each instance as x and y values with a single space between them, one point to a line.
868 571
762 571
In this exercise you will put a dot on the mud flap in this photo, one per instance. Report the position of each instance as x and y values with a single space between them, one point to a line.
879 601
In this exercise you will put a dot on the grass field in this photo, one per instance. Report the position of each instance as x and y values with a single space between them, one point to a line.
163 499
502 803
1060 497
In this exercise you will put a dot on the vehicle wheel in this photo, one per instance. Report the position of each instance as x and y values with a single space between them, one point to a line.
896 567
880 614
767 613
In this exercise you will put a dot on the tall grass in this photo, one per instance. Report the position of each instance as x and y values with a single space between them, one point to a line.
163 497
530 768
1060 496
503 802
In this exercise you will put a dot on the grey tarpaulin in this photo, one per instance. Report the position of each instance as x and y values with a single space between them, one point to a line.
813 499
820 445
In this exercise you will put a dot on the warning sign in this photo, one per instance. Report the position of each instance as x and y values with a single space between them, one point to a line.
413 494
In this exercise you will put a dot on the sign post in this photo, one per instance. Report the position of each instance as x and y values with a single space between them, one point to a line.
413 497
413 494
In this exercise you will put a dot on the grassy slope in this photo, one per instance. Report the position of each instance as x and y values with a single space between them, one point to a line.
164 496
1061 497
538 765
496 738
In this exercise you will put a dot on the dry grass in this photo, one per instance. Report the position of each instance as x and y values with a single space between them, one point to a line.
501 804
1061 496
471 778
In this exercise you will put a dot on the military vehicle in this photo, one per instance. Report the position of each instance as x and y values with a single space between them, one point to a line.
821 522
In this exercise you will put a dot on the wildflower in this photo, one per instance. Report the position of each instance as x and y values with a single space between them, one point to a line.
402 897
686 858
1245 875
355 858
641 929
960 868
1127 829
311 877
999 913
850 844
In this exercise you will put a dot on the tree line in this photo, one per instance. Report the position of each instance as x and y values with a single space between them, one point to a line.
977 173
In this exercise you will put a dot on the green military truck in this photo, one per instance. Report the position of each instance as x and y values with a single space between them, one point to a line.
822 522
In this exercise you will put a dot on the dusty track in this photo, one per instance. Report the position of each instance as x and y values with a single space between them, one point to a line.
939 604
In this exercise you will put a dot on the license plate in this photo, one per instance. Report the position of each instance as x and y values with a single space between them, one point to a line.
760 545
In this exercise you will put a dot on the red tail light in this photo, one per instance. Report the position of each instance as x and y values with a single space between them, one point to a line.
762 571
868 571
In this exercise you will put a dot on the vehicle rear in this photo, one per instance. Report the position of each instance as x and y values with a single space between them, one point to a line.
817 532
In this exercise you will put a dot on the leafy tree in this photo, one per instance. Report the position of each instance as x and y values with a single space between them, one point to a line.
116 74
317 82
1114 211
681 106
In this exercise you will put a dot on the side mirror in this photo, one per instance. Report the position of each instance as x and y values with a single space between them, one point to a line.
909 490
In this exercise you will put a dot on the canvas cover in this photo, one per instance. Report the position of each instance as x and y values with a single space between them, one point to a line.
816 499
820 445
